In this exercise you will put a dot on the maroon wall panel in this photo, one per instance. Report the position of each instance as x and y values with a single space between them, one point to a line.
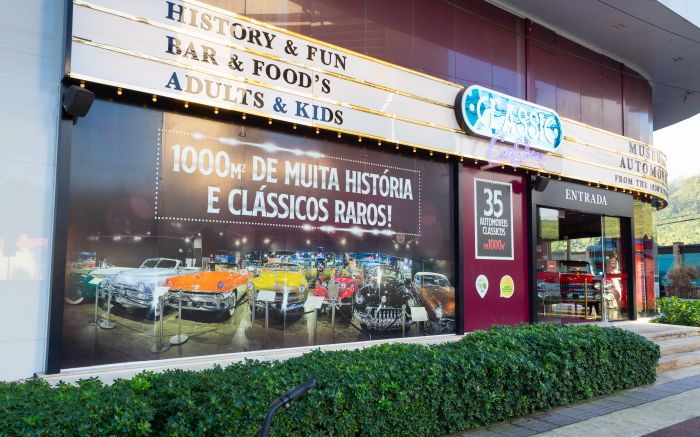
490 49
433 38
590 71
637 103
586 86
493 309
389 31
339 22
568 79
612 95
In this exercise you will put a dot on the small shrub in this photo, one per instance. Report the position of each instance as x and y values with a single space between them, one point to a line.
681 282
391 389
675 311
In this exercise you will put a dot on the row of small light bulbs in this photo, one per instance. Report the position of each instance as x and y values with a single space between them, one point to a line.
636 194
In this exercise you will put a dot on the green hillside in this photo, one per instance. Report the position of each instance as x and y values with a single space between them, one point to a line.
680 220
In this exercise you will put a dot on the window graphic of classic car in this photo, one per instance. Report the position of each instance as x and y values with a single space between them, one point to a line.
347 282
138 287
378 304
80 284
438 297
288 282
218 291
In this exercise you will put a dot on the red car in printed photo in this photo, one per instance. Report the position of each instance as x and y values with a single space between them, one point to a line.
348 283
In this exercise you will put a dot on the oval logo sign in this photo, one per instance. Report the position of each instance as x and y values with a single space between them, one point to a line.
488 113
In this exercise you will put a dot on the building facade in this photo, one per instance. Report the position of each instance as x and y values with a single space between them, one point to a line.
272 175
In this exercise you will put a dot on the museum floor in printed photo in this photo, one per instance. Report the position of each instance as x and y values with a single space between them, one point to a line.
135 333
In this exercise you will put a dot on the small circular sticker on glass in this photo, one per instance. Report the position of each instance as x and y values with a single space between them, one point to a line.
482 285
507 286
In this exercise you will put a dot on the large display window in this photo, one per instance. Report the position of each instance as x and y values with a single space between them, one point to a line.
215 237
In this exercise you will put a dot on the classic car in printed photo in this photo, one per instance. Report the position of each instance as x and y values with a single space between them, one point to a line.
434 291
347 283
81 284
379 303
139 287
288 282
218 292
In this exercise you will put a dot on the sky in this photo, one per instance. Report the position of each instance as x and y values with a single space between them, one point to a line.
680 144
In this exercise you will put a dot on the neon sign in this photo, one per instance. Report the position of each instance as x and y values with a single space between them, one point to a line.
488 113
515 155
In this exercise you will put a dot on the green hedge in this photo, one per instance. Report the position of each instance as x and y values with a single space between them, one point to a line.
399 389
675 311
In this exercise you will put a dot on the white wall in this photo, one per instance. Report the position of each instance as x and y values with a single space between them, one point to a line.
31 43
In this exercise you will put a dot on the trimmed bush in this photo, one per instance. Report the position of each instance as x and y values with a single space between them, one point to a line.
681 282
675 311
397 389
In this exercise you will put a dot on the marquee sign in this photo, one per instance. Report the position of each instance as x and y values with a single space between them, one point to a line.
197 53
488 113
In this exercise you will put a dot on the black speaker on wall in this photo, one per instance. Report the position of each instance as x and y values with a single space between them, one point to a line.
539 183
77 101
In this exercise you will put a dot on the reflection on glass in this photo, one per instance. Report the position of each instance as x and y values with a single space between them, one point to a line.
615 290
568 277
645 248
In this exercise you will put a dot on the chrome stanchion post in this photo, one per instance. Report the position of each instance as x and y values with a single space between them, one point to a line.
254 307
180 338
333 303
603 310
403 320
95 321
316 327
107 324
267 315
161 346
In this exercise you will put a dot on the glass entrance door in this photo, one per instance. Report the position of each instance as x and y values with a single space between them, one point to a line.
579 263
613 262
565 259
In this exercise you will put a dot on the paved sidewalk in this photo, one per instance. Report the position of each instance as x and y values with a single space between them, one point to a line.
672 400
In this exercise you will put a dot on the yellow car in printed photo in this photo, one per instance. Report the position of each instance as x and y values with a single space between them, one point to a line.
287 280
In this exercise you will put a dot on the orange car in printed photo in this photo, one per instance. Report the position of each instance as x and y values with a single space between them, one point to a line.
218 291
